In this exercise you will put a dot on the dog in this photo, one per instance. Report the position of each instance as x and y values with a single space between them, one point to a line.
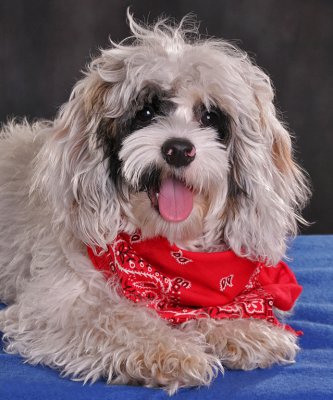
169 145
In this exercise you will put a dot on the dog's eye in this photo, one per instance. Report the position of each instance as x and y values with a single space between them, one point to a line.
216 119
145 115
210 118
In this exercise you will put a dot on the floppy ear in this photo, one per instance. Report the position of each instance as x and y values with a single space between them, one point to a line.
267 189
71 170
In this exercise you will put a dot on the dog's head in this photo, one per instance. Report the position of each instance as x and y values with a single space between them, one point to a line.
175 136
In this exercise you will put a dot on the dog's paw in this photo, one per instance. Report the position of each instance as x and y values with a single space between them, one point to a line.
260 352
159 365
248 344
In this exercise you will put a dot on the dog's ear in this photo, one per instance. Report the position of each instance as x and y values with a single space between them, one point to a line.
267 189
71 170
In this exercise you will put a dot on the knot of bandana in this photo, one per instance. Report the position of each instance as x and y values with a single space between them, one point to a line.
182 285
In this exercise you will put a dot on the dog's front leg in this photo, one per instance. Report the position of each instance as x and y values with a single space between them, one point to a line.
88 332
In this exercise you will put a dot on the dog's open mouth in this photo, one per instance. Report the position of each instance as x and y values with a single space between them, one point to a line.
173 200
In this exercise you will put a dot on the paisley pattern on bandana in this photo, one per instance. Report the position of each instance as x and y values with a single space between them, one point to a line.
181 285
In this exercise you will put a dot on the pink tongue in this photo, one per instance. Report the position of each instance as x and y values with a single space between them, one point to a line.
175 200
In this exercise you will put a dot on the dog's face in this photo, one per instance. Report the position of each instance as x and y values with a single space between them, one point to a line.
176 138
168 150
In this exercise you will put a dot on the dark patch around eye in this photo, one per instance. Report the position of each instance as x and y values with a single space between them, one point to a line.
111 132
215 118
149 107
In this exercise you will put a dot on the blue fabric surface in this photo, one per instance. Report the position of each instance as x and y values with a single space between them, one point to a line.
310 378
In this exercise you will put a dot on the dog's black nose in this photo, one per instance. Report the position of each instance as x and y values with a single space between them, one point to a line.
178 152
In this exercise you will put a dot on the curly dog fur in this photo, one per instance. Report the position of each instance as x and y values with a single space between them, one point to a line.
89 174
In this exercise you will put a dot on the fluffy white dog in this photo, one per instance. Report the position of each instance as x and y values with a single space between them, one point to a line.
168 139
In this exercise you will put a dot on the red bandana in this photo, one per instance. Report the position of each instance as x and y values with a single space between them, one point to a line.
183 285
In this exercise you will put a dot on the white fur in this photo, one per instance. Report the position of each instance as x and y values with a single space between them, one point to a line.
56 197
